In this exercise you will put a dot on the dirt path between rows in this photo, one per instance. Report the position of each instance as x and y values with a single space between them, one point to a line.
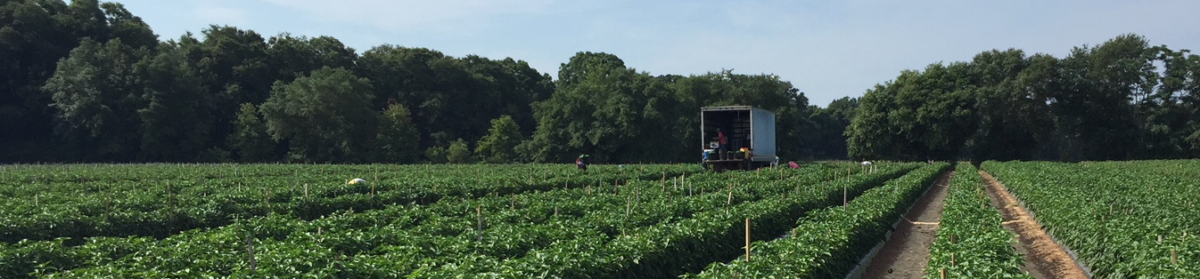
1044 258
906 253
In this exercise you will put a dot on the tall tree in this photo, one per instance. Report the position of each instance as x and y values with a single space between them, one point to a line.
291 57
499 145
458 152
592 111
325 116
398 140
35 35
175 122
250 140
921 115
96 93
232 64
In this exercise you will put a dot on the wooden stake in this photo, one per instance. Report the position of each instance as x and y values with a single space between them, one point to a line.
747 239
305 190
1173 259
943 273
952 259
479 216
170 198
250 251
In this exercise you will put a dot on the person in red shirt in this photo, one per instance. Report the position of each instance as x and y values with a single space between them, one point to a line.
723 147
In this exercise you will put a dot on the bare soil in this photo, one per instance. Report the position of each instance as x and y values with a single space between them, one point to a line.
1044 258
906 253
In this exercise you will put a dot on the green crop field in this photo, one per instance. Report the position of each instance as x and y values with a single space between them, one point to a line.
1123 219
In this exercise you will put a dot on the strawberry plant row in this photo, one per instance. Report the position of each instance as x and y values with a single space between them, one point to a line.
670 249
142 209
505 236
830 242
1121 219
971 242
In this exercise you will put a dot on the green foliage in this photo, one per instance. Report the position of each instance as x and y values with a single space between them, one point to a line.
326 116
398 140
500 144
829 242
96 95
971 242
826 136
1121 219
115 98
326 214
251 140
920 116
1106 102
458 152
291 57
436 154
175 122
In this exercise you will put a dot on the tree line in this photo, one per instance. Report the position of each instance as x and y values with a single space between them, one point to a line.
88 81
1120 100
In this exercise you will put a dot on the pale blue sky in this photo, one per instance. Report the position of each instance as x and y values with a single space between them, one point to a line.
827 49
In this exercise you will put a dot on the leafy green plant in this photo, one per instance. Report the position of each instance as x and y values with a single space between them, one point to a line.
971 243
1122 219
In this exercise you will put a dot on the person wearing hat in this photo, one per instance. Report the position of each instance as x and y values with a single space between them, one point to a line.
581 162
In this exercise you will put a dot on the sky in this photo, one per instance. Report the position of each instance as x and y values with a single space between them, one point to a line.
826 49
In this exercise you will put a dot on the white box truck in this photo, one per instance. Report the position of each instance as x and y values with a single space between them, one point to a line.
749 136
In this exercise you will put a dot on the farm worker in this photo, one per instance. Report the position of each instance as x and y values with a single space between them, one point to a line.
357 181
581 162
866 163
723 145
793 165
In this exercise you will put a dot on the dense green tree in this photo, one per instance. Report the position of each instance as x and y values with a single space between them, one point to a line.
96 94
436 154
175 122
453 97
250 140
920 116
499 145
828 131
458 152
233 66
592 111
324 116
34 36
290 57
398 140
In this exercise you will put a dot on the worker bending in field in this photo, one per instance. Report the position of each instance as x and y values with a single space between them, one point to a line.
582 162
